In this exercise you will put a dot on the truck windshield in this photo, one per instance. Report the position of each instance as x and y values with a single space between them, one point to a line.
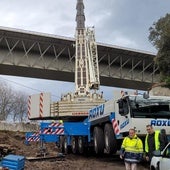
153 107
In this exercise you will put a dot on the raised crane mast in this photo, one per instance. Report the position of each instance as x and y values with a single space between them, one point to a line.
75 106
86 59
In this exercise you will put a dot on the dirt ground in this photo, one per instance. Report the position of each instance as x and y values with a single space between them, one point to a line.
77 162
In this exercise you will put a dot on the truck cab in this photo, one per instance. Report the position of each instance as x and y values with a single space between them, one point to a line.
140 111
114 118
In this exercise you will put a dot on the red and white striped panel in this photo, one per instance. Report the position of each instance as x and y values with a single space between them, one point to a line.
58 131
115 127
56 124
50 131
41 105
34 137
47 131
29 107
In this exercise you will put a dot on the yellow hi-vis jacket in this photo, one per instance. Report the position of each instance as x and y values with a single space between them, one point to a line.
157 142
132 149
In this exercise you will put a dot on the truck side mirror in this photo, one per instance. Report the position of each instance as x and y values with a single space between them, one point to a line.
157 153
123 106
145 95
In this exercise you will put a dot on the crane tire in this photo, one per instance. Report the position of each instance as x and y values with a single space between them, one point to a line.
98 136
74 145
66 150
81 145
61 146
110 139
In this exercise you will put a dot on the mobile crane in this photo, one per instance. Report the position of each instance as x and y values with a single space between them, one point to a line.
108 123
88 120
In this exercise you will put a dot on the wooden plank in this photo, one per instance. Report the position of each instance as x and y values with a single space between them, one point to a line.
60 156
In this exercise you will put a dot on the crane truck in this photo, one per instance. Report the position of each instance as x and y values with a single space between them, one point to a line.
107 124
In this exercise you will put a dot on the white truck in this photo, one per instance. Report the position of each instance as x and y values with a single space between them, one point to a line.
108 123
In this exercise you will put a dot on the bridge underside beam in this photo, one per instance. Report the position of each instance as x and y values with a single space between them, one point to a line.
69 77
37 56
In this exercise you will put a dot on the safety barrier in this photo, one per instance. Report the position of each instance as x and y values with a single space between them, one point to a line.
49 132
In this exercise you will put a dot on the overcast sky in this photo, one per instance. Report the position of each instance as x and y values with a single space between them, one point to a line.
122 23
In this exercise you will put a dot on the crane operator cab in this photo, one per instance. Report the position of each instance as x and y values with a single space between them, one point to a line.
144 106
140 110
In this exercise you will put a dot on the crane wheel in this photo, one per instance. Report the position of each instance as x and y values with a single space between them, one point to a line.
98 136
110 139
80 145
61 146
66 150
74 145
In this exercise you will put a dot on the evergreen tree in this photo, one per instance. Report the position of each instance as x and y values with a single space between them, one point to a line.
160 38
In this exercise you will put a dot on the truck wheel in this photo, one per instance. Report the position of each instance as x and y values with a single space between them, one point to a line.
65 146
98 136
74 145
80 145
110 139
61 147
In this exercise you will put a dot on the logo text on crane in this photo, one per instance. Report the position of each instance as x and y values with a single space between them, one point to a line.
160 122
96 112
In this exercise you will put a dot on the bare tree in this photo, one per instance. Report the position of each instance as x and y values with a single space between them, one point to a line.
13 104
6 100
20 107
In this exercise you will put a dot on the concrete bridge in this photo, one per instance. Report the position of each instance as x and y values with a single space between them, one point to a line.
37 55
